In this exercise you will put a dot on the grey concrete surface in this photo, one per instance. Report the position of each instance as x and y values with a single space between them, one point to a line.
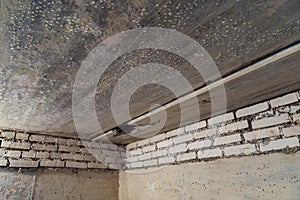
273 176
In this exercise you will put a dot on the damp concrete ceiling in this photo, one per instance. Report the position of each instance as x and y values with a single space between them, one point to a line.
43 44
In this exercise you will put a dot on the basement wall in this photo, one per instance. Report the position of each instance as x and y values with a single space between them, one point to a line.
250 153
63 184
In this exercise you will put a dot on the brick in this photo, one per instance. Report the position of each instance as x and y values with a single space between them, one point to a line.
186 156
84 150
89 157
166 160
50 139
136 152
263 133
15 145
252 109
158 138
137 164
73 164
244 149
132 159
2 152
175 132
205 133
78 157
37 138
93 165
3 162
270 121
295 108
280 144
145 156
52 163
143 142
164 143
28 154
234 126
220 119
182 138
177 148
199 144
40 154
296 117
44 147
159 153
23 163
227 139
149 148
8 134
13 154
72 142
22 136
63 148
281 101
195 126
150 162
67 156
291 131
131 146
209 153
55 155
62 141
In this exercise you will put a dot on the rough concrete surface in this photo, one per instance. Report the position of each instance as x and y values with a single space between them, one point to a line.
273 176
58 185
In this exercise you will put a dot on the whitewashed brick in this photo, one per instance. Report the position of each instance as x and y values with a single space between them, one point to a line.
15 145
205 133
182 138
175 132
50 139
150 162
37 138
234 126
159 153
220 119
62 141
28 154
195 126
291 131
78 157
166 160
177 148
280 144
93 165
22 136
13 154
158 138
55 155
136 152
2 152
209 153
296 117
263 133
143 142
40 154
199 144
137 164
52 163
227 139
281 101
8 134
131 146
23 163
149 148
145 156
186 156
3 162
132 159
44 147
252 109
270 121
164 143
244 149
73 164
63 148
67 156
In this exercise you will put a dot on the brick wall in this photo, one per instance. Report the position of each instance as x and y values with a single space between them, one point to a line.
31 150
266 127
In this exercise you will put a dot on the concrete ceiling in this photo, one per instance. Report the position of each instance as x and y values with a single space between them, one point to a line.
43 43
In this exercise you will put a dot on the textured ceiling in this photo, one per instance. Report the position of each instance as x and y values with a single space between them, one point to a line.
42 45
